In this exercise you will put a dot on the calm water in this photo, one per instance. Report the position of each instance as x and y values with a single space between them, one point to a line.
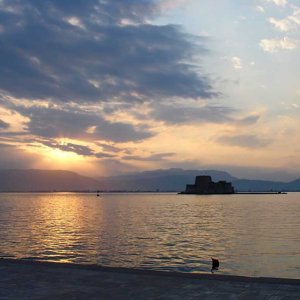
255 235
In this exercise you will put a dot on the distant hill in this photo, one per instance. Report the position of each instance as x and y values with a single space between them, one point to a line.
157 180
293 185
263 185
44 180
162 180
245 185
176 180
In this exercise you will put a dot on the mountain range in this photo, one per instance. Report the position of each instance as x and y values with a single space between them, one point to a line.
44 180
175 180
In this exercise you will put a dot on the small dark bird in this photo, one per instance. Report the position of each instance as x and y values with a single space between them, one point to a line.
215 264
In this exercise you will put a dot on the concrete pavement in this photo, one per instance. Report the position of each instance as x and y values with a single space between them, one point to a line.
39 280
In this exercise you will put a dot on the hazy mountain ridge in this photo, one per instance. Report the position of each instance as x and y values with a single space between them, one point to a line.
163 180
265 185
216 175
245 185
33 180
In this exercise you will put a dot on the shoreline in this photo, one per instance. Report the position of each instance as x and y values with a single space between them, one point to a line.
23 279
239 193
95 267
144 192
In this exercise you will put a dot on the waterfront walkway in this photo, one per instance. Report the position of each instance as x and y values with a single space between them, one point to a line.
36 280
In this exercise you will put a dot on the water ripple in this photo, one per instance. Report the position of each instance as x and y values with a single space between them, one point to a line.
251 235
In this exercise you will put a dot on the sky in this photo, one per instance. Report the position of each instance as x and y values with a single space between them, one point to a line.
109 87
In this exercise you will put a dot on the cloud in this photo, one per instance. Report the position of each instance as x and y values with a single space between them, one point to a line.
69 68
121 132
273 45
249 120
3 125
283 25
295 17
289 23
104 155
279 2
260 9
172 114
244 141
87 10
3 145
75 148
50 122
171 4
154 157
70 147
80 69
236 62
109 148
82 52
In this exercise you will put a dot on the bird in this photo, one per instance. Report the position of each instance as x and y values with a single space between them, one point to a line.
215 264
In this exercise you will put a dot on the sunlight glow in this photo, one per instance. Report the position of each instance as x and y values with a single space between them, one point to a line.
63 156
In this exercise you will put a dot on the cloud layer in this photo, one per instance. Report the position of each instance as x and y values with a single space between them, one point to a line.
68 69
3 125
123 87
244 141
83 52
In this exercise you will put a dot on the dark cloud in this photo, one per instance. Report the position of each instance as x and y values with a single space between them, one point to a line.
250 120
104 155
44 56
73 54
121 132
103 11
3 125
173 114
70 147
154 157
3 145
109 148
245 141
52 122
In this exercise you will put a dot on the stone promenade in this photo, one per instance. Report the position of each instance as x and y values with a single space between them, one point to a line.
40 280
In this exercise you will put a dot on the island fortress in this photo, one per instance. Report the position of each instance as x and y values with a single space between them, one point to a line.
204 185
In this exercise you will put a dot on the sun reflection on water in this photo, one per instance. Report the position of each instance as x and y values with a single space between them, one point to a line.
250 236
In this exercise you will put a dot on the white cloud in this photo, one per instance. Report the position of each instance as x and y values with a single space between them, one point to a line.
296 16
279 2
127 22
236 62
172 4
289 23
273 45
260 8
283 25
75 22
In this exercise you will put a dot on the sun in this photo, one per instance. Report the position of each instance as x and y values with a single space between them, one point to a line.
63 156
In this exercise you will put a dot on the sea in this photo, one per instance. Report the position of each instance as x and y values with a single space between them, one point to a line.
251 235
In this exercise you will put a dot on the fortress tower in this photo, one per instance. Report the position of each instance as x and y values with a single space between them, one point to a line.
204 185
